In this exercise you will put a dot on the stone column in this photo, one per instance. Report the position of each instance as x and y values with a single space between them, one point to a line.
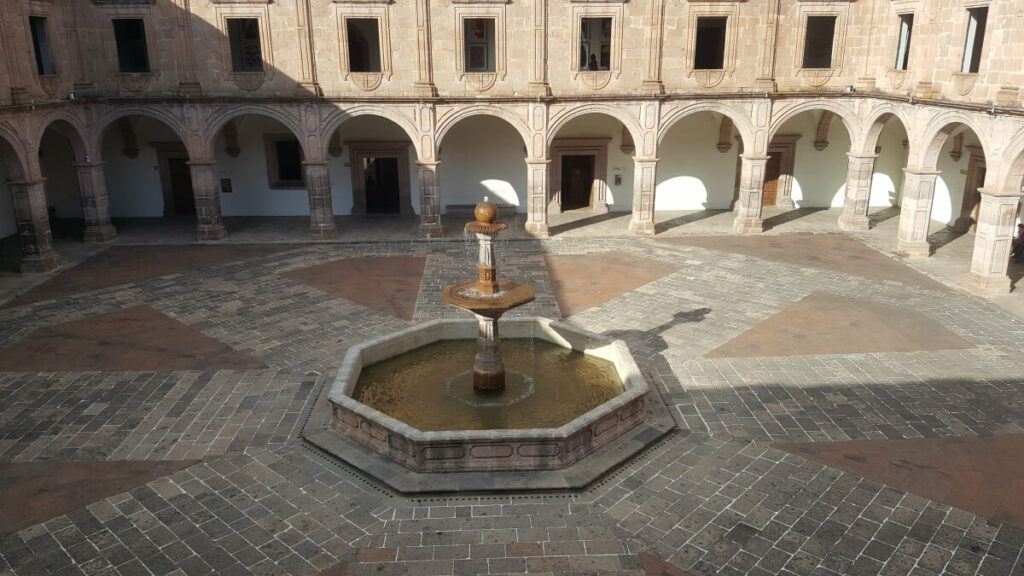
748 202
916 212
37 254
859 172
645 171
321 209
209 224
430 200
537 197
997 219
92 183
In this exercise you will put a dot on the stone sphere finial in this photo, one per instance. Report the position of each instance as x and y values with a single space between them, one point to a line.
485 212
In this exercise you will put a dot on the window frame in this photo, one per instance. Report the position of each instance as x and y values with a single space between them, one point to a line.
596 79
480 80
348 49
832 45
977 47
145 44
903 49
42 57
239 59
274 181
724 41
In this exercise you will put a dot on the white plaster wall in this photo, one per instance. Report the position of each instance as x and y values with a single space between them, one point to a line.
620 196
251 192
8 223
949 185
62 192
367 128
483 156
133 184
887 181
692 173
819 177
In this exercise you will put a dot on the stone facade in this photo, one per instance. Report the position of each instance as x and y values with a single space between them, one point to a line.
536 87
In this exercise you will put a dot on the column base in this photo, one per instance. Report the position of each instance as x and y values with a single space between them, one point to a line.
743 225
854 222
210 232
913 249
99 234
537 229
988 285
431 231
40 263
323 231
637 228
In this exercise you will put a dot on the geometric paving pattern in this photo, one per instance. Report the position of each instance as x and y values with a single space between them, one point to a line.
583 281
389 285
982 475
136 338
823 323
253 498
39 491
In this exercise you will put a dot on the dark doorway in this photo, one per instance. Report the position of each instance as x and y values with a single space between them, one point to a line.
381 185
181 187
577 181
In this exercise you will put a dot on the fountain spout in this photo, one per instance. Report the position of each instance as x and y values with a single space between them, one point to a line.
488 297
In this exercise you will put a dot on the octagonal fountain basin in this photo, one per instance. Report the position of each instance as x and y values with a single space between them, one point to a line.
410 396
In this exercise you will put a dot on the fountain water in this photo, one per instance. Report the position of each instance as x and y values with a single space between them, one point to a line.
487 297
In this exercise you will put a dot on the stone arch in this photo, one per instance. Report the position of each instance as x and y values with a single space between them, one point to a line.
445 124
738 117
617 112
878 118
106 122
220 118
842 111
338 116
1014 178
68 126
12 153
939 130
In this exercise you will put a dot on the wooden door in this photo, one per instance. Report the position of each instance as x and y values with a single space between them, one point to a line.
577 181
181 186
772 171
381 185
971 204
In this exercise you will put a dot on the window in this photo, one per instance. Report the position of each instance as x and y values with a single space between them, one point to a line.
595 44
289 161
130 35
975 38
41 43
363 44
821 31
710 50
479 47
903 48
246 51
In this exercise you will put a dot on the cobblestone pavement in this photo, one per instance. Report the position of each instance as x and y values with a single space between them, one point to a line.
720 499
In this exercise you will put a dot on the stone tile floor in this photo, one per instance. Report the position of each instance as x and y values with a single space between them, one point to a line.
724 499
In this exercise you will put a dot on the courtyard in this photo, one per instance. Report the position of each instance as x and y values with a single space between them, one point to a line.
836 410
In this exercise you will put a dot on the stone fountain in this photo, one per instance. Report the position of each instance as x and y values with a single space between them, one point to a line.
488 297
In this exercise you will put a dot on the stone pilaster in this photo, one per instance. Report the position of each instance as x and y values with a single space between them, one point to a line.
652 50
859 172
321 208
765 79
37 254
537 197
430 200
992 243
916 212
424 84
539 57
92 183
748 202
645 172
209 224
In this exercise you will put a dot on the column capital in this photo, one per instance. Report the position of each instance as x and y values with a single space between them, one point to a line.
88 164
916 171
538 161
755 157
199 163
315 163
26 181
641 160
993 192
856 156
428 163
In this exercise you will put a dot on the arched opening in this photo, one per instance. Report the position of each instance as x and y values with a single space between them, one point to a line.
591 172
892 147
149 182
60 148
962 169
10 243
482 156
807 167
698 171
373 168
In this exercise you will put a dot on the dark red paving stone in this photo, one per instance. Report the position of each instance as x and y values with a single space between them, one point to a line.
835 252
390 284
126 264
823 323
656 567
34 492
586 280
137 338
981 475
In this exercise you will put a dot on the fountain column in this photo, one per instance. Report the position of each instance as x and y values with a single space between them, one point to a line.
488 368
